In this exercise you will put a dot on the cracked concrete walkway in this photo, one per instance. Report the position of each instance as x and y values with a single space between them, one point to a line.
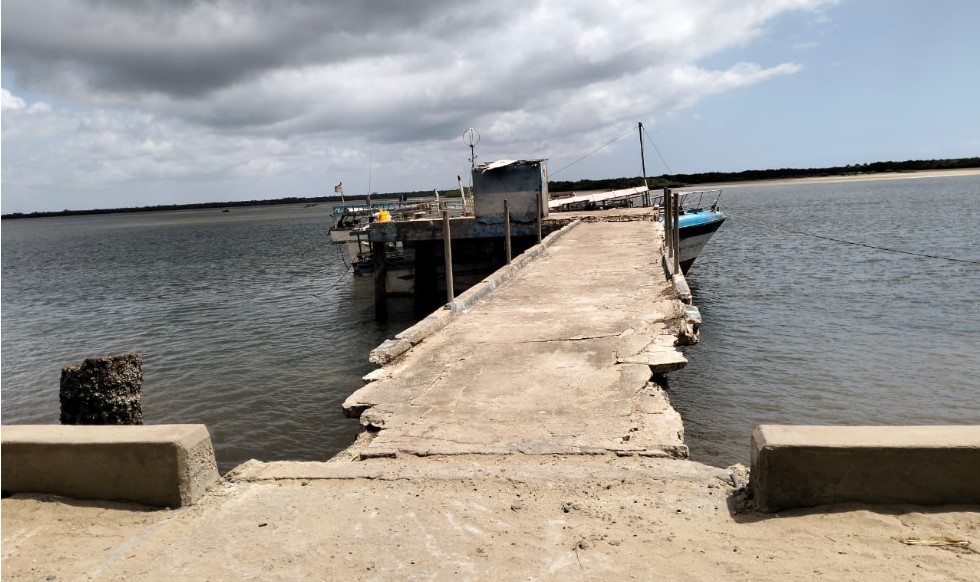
553 362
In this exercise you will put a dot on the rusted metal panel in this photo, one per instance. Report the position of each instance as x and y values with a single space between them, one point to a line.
524 183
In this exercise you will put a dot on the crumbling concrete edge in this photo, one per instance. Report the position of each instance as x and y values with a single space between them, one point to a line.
471 296
683 291
404 341
678 280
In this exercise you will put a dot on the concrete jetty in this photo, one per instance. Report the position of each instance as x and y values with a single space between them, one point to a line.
526 435
557 361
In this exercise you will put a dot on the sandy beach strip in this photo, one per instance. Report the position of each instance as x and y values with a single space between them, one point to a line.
839 179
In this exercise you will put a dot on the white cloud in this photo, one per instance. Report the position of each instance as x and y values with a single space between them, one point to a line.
10 102
215 90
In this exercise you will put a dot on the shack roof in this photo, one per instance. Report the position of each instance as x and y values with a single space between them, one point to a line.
504 163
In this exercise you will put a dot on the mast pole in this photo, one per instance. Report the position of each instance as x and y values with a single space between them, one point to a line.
643 160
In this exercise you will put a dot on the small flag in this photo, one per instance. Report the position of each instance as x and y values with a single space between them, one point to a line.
339 188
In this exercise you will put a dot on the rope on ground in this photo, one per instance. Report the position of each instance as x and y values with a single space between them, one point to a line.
847 242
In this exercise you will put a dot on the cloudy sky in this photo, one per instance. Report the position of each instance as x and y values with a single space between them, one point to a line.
109 103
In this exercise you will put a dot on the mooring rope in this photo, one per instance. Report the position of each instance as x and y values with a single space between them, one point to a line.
337 282
340 253
654 144
615 139
848 242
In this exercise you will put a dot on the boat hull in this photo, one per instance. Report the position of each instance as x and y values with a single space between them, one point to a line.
695 230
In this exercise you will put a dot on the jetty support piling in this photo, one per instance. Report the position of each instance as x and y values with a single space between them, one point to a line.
380 282
538 222
479 242
507 230
669 225
105 390
676 233
447 241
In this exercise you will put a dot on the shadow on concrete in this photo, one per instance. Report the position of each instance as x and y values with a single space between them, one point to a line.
741 506
92 503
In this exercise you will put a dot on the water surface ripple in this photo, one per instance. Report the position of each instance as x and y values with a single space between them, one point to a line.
232 312
803 330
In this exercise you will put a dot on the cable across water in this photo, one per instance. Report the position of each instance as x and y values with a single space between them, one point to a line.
847 242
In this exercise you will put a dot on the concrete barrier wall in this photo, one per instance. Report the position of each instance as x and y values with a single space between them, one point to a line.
160 465
805 466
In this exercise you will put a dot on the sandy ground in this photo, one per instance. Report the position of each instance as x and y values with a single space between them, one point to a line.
480 518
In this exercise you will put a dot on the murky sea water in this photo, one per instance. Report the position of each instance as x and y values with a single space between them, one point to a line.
248 323
799 330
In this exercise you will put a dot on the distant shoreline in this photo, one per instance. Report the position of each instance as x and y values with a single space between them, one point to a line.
849 178
600 185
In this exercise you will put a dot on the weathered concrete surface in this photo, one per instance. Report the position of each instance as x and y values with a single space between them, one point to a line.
556 361
805 466
167 465
401 343
480 518
105 390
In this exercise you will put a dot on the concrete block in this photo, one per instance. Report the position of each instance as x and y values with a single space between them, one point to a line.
805 466
168 465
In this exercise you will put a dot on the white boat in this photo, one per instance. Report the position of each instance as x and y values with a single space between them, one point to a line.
695 226
696 223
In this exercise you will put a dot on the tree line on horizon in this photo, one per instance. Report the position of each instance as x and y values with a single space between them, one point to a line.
654 182
681 180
